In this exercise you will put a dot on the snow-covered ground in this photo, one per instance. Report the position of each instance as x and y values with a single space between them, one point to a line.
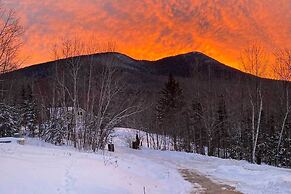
245 177
38 167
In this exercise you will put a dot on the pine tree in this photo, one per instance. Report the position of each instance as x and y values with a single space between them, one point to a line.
222 135
199 131
28 111
9 123
235 150
169 108
284 158
246 145
55 131
271 140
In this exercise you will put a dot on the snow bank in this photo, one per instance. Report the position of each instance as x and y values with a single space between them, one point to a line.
11 139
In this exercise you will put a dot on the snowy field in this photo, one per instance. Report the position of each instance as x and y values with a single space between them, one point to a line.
38 167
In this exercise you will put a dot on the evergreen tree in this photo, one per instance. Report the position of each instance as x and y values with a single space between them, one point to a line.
222 135
246 136
271 140
8 120
169 108
235 150
199 131
28 111
55 131
284 158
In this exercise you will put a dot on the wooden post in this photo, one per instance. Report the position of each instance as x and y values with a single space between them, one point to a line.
134 145
111 147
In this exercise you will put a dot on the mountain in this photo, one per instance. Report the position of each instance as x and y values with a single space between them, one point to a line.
143 76
182 65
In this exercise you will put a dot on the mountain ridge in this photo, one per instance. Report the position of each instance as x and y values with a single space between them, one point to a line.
163 66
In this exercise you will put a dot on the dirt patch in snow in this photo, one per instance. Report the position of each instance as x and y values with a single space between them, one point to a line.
205 185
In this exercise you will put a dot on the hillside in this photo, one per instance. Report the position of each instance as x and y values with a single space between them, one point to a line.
182 65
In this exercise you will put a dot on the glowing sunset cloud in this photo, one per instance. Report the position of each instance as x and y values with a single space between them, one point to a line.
152 29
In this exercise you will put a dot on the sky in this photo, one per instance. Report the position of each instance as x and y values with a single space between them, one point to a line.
153 29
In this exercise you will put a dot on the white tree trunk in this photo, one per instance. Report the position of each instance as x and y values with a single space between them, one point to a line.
288 108
257 127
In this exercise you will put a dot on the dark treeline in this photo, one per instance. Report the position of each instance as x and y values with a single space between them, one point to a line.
244 119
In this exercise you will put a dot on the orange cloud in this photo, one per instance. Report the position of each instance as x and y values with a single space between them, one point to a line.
152 29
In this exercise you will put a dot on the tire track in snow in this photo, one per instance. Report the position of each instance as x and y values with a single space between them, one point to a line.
207 186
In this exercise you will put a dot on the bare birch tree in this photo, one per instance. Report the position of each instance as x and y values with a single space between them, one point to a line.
254 61
70 49
96 86
113 103
282 70
10 42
